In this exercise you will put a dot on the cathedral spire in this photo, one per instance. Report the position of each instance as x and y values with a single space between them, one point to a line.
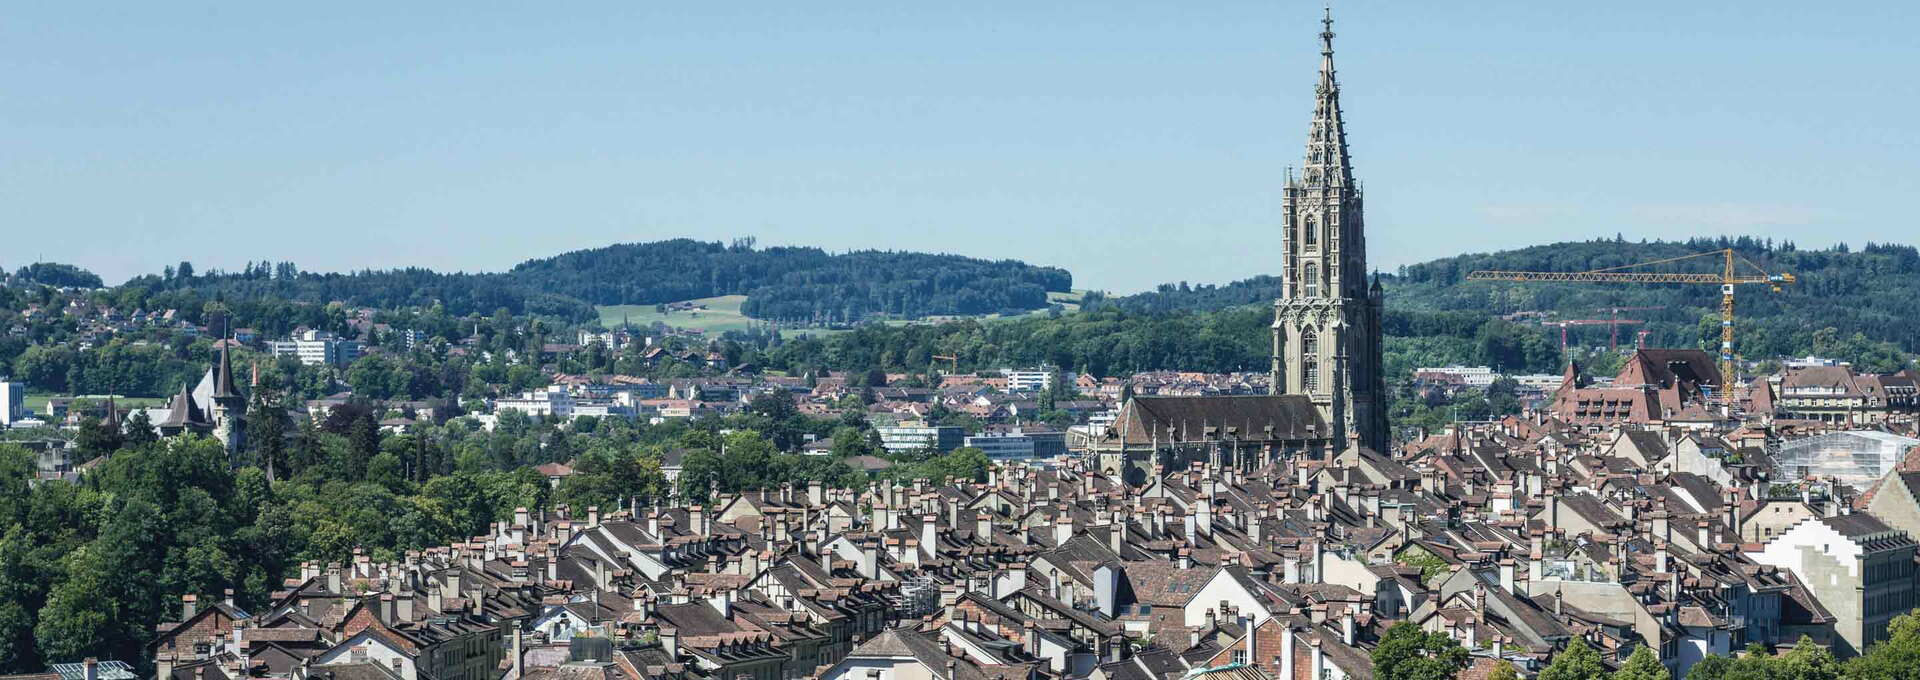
1327 162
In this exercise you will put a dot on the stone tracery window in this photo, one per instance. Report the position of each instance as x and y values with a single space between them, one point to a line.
1310 361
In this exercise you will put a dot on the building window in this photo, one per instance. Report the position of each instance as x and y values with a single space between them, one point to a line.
1240 656
1312 232
1310 361
1310 280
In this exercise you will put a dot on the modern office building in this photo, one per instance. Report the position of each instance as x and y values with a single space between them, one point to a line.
907 438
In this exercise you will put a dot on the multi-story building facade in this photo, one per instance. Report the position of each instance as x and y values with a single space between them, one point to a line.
553 401
1031 380
318 348
13 402
1860 569
1326 324
907 438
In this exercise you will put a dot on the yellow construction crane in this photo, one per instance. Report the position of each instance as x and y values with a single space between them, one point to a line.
953 362
1728 277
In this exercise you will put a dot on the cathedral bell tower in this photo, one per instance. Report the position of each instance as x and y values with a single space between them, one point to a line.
1326 324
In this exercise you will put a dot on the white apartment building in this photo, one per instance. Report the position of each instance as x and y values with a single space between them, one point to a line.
608 339
318 348
410 338
1030 380
13 402
1545 382
554 401
1473 376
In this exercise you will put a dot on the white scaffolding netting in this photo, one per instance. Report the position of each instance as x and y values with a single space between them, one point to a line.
1858 458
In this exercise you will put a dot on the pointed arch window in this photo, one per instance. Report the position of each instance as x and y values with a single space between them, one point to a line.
1310 280
1310 361
1312 231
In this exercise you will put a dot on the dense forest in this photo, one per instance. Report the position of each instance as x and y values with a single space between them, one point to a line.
1174 297
785 284
1110 342
275 283
1851 305
795 284
58 275
1864 315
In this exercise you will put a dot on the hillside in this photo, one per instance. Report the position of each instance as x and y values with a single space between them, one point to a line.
1864 296
795 284
781 284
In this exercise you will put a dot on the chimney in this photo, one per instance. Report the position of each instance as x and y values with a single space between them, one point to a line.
1319 660
403 606
163 666
1286 652
189 605
227 598
1063 529
517 651
593 516
386 608
697 520
91 668
1247 623
1506 576
1346 625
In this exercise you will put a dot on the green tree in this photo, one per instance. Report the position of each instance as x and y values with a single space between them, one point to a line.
1406 652
1577 662
1643 665
1893 659
1504 670
1711 667
1807 661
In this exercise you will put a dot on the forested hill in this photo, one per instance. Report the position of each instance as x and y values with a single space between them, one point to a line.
1864 295
1175 297
795 284
786 284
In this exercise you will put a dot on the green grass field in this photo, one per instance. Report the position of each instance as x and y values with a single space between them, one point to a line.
723 314
37 403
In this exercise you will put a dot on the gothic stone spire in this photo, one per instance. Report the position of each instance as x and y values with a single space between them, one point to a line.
1327 162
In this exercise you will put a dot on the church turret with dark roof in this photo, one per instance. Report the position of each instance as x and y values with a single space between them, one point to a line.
1327 341
214 406
228 404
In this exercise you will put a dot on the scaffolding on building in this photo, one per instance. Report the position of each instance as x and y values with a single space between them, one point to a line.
1858 457
917 596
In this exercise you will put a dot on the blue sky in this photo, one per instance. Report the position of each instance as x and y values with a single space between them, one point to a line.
1131 142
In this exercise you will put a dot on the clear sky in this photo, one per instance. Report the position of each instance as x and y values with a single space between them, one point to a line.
1131 142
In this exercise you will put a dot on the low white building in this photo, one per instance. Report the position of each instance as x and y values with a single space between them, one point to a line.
318 348
1473 376
552 401
1030 380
